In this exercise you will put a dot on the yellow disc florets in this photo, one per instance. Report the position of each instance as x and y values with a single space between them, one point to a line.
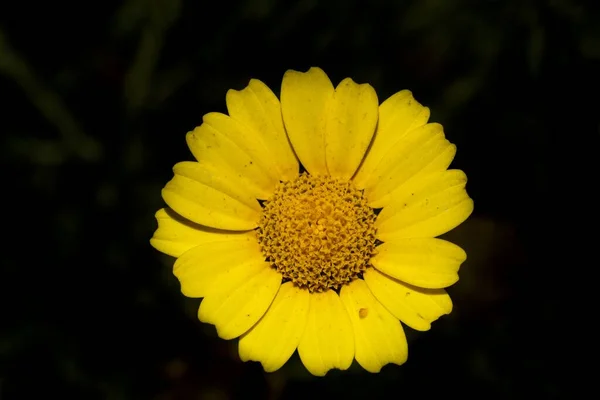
318 232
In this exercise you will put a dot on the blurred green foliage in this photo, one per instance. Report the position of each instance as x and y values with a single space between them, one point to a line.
98 99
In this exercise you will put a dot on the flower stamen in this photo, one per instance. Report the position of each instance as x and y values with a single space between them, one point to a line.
318 232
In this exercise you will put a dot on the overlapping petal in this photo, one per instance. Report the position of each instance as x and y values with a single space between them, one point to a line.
420 152
239 297
210 197
304 100
328 339
199 268
350 124
262 132
273 340
424 262
426 207
416 307
398 115
175 235
231 150
378 336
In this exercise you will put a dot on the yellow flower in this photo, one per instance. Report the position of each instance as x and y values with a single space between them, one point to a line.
330 260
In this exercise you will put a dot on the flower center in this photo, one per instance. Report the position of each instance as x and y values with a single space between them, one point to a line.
318 232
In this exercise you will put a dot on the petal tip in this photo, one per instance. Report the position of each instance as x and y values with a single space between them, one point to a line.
153 243
316 70
161 214
312 71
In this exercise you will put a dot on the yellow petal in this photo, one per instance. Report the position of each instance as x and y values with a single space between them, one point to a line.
379 337
239 297
259 110
420 152
426 207
175 235
273 340
398 115
416 307
208 197
425 262
328 340
199 268
350 125
304 98
222 143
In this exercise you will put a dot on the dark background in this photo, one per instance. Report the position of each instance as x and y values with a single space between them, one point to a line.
98 97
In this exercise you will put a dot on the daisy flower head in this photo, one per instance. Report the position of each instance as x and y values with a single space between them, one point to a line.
309 222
